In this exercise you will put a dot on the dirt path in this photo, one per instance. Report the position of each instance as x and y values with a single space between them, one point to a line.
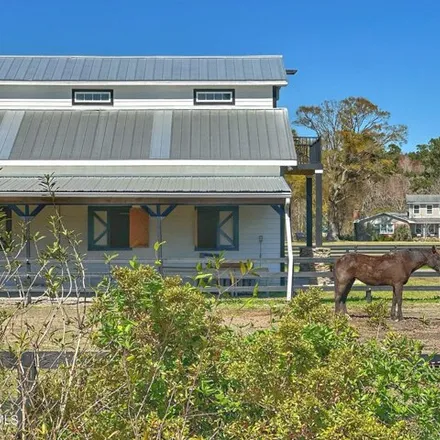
422 322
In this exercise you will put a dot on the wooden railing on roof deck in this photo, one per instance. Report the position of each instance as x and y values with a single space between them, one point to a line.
308 149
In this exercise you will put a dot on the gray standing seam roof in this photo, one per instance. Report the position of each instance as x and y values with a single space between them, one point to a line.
425 220
226 134
148 184
147 68
423 198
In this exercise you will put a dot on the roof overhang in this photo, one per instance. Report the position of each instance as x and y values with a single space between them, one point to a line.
141 189
144 83
138 163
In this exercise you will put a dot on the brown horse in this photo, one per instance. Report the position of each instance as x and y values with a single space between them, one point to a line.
393 269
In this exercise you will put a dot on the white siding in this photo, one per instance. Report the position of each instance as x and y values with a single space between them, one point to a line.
178 232
127 97
423 212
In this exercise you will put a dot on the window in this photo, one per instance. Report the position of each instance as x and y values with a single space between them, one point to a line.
386 228
5 219
217 228
117 227
418 230
92 97
416 209
429 209
431 231
5 226
214 97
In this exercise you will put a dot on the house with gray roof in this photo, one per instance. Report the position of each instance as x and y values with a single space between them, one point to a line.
422 218
424 212
187 150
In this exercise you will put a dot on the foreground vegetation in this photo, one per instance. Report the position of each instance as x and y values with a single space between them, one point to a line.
172 369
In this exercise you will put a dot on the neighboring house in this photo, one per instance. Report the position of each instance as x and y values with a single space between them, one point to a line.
187 150
382 224
422 217
424 212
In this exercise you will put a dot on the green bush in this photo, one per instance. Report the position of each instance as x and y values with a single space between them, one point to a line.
402 233
172 370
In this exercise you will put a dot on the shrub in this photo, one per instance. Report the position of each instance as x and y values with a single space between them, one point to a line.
402 233
172 370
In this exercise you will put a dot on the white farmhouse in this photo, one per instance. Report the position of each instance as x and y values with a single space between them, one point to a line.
187 150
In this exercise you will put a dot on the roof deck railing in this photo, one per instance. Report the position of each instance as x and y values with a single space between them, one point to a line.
308 149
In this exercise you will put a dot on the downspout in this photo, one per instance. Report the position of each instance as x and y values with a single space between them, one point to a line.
289 250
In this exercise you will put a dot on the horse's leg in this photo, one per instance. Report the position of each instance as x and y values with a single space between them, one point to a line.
399 299
393 304
345 295
342 288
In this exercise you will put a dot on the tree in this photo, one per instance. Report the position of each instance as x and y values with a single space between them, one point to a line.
429 156
355 134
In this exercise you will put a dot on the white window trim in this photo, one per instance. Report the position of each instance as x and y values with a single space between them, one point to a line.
198 101
76 101
383 228
432 209
418 209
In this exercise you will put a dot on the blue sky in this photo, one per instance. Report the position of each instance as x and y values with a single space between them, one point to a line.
386 51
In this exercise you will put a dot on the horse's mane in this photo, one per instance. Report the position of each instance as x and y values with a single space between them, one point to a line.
413 250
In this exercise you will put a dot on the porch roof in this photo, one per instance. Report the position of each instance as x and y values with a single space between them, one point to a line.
146 135
426 220
80 186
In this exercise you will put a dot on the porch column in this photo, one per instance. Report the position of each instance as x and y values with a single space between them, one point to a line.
280 210
318 212
159 214
27 216
289 250
309 211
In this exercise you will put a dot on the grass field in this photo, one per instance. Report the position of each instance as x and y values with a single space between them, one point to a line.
49 323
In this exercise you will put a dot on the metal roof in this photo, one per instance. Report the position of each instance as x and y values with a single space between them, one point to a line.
425 220
82 185
423 198
147 68
226 134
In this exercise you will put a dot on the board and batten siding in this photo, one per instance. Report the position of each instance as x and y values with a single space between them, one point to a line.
128 97
178 230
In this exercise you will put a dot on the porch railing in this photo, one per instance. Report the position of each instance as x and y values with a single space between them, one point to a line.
308 150
268 278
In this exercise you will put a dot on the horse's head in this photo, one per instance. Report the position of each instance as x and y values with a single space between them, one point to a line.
434 259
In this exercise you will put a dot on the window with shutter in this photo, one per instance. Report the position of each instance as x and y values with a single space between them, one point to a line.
117 227
217 228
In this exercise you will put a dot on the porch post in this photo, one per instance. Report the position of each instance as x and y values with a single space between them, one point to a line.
160 215
318 213
289 250
27 216
309 211
159 240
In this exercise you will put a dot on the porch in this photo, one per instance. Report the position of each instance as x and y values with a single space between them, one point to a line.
198 218
425 228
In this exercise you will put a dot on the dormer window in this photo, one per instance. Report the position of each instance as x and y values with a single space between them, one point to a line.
214 97
92 97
